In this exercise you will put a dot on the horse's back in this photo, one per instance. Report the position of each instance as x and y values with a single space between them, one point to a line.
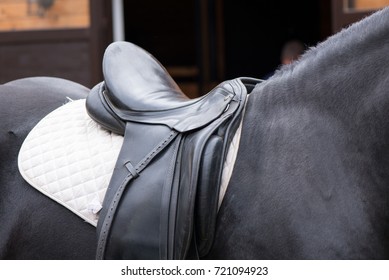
33 227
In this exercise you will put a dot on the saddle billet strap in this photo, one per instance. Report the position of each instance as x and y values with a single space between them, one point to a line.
125 172
205 219
195 147
195 219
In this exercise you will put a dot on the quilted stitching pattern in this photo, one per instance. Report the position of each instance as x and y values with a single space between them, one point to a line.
70 158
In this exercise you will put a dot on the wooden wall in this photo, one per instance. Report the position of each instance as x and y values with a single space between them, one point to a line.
24 15
369 4
344 13
66 58
68 41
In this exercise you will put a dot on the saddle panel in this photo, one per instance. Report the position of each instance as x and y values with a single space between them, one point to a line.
195 151
206 150
207 196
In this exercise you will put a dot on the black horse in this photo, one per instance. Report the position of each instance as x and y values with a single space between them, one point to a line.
311 180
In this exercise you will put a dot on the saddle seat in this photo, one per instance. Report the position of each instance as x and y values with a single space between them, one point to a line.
138 88
162 199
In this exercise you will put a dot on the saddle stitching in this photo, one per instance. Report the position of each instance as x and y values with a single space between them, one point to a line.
188 121
133 173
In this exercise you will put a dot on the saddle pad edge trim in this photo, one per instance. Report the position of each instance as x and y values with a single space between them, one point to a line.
232 155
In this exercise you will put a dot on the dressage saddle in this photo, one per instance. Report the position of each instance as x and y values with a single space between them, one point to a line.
161 202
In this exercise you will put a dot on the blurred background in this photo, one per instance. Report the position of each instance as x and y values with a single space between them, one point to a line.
200 42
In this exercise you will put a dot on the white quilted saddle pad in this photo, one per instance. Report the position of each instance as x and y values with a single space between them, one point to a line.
70 158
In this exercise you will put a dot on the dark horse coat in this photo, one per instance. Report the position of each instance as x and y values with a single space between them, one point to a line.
311 180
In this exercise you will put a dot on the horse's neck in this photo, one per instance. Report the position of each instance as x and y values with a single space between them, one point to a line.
346 76
311 173
327 113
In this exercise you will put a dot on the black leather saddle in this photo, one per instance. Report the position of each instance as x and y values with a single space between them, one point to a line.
161 202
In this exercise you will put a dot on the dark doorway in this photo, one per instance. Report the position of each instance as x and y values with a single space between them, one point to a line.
202 42
255 32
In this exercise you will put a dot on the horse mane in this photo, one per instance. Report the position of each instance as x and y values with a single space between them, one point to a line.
351 43
350 66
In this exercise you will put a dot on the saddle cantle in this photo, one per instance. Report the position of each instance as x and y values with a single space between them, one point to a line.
162 199
138 88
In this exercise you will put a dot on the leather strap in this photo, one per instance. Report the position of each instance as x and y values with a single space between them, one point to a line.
127 173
